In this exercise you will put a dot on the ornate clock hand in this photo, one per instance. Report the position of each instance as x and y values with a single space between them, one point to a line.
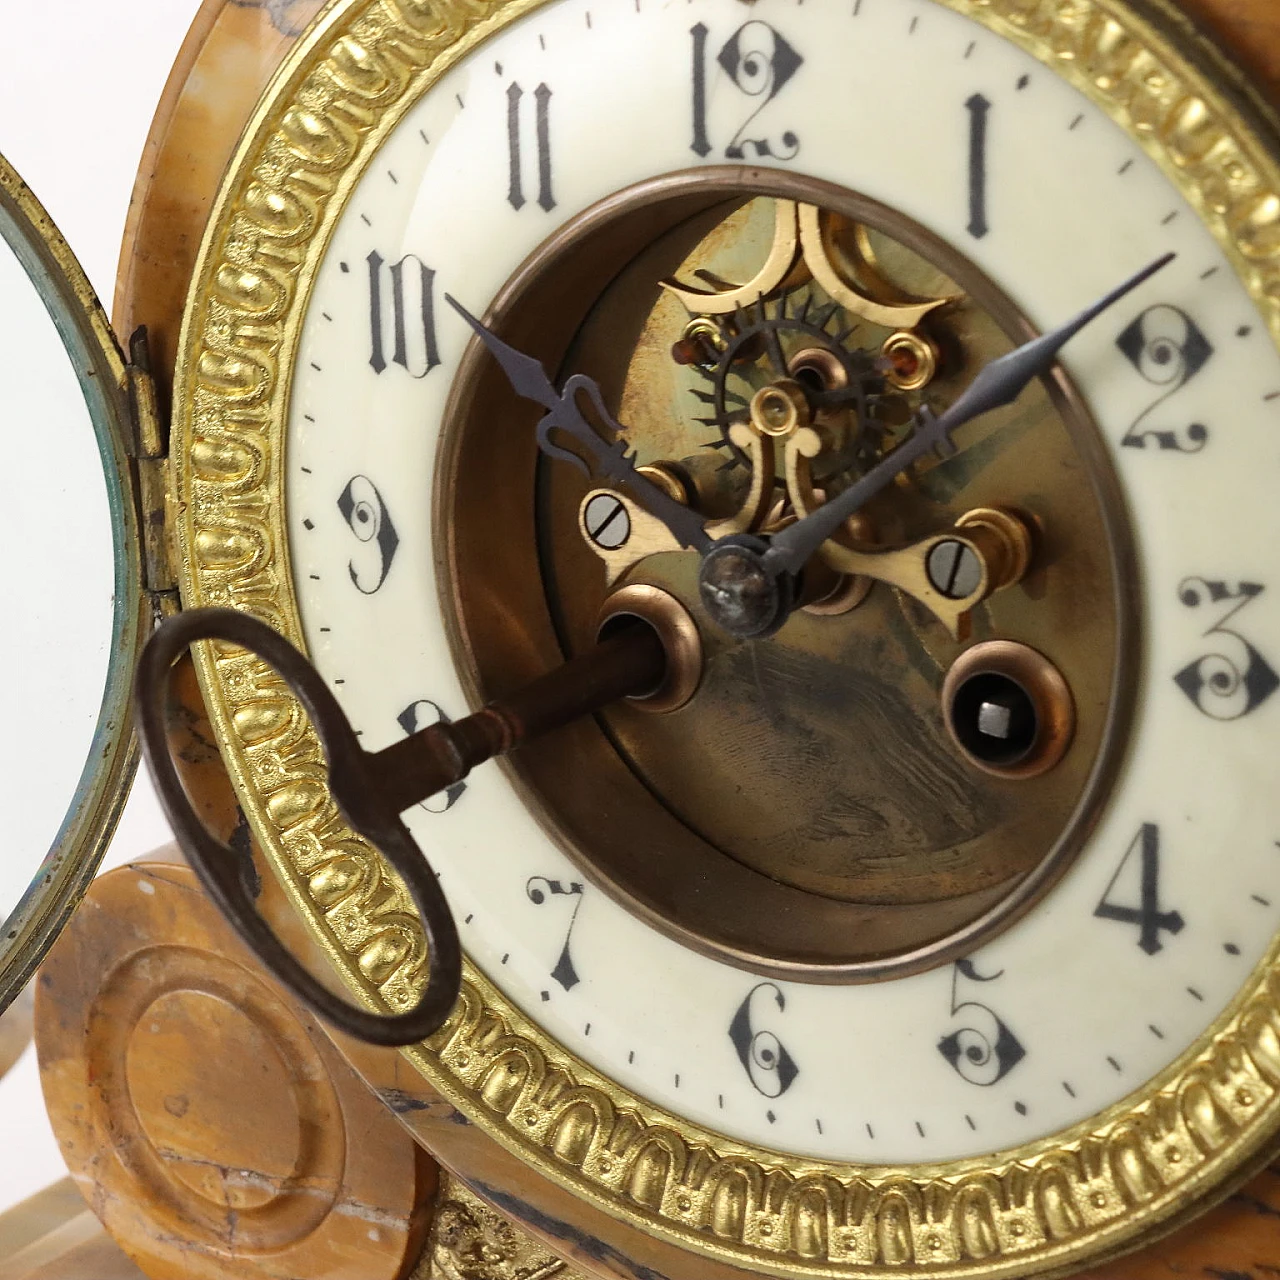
747 584
372 789
612 461
998 383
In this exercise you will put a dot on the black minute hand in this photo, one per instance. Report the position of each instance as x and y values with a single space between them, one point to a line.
999 383
610 461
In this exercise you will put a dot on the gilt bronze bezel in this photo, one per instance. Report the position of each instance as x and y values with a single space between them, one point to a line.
1076 1197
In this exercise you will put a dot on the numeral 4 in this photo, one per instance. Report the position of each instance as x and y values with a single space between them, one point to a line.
1138 875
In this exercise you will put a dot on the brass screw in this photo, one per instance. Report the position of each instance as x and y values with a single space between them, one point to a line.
780 409
701 343
912 359
607 521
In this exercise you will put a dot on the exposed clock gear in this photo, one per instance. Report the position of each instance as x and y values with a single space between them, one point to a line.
807 341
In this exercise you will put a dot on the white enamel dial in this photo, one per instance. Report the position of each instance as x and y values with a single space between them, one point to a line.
915 107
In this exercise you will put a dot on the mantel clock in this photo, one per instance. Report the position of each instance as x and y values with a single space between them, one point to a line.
925 918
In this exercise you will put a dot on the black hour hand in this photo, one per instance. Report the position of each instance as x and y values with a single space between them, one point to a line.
603 460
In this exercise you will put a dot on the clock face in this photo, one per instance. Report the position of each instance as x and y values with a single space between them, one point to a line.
948 954
1046 197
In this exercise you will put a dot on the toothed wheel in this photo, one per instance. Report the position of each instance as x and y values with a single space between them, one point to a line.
805 342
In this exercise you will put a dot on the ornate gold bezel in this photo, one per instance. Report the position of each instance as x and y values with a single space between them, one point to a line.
1078 1196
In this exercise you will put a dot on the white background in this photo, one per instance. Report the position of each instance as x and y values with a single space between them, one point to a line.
80 86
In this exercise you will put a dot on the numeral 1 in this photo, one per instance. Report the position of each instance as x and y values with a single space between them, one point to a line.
542 132
1147 914
978 107
701 145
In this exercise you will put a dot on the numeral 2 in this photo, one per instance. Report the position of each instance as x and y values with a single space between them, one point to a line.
1140 867
1167 348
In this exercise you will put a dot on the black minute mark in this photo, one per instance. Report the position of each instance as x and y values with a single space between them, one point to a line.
1023 81
308 417
1244 331
1261 901
1071 1093
588 19
392 176
871 1133
462 106
308 525
1168 218
1115 1066
1124 168
911 30
968 53
1208 275
969 1121
1231 949
920 1128
1020 1108
306 471
1076 123
1191 991
470 918
1155 1031
364 217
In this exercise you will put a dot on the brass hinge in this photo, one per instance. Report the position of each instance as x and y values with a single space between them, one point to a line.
151 456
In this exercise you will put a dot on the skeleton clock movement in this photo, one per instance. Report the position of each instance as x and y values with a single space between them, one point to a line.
909 370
